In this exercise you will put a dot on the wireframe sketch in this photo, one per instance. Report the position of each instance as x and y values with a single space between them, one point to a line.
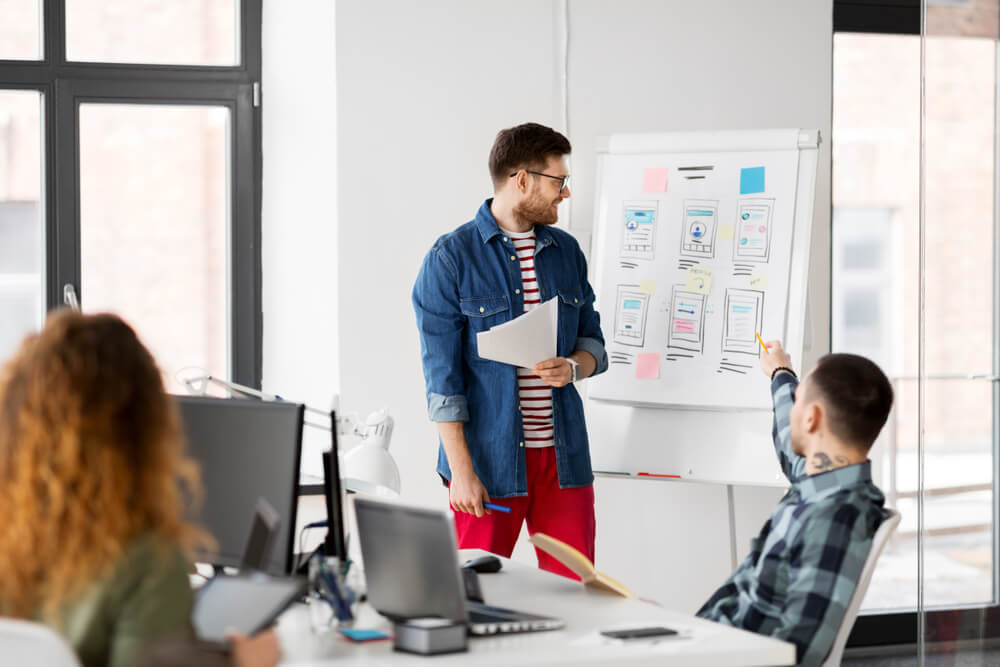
734 367
753 230
639 229
687 320
621 357
744 314
696 173
630 316
700 221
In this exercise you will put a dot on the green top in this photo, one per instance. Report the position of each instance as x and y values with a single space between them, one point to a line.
145 597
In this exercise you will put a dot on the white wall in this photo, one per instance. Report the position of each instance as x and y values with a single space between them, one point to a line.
299 243
421 90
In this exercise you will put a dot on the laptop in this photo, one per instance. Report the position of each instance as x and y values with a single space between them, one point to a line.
411 565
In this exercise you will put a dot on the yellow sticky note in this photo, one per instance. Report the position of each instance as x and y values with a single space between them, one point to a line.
699 280
726 233
647 287
758 281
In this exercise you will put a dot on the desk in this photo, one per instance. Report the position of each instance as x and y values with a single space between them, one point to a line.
585 611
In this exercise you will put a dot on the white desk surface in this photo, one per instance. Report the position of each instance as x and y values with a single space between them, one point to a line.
585 611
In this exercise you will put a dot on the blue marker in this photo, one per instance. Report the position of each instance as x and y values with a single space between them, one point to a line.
498 508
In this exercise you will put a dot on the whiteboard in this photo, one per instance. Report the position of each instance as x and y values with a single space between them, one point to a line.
701 240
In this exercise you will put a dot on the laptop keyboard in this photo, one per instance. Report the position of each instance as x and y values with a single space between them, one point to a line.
487 620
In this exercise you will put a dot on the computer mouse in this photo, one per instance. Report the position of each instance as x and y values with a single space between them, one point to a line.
483 564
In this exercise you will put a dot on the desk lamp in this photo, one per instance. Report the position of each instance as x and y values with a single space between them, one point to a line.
368 466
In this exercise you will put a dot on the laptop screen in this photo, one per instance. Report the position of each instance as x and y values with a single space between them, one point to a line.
411 561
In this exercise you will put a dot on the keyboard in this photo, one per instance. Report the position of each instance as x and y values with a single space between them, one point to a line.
487 620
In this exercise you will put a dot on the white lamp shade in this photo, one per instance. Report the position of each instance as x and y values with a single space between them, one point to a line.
369 468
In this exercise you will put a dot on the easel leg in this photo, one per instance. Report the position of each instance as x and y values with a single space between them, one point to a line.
732 524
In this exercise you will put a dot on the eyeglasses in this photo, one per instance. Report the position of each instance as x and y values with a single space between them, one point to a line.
563 180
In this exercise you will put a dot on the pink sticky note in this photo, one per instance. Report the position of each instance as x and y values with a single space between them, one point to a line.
647 366
655 180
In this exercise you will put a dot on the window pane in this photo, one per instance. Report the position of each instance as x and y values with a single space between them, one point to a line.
166 32
875 282
20 30
21 248
876 152
958 413
154 223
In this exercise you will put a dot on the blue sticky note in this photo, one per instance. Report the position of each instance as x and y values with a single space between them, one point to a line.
362 635
751 180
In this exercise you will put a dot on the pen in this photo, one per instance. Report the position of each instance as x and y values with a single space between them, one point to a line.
498 508
760 340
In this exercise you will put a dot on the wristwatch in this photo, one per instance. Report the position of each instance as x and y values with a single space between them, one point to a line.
576 369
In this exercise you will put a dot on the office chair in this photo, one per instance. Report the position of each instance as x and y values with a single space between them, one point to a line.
29 644
882 536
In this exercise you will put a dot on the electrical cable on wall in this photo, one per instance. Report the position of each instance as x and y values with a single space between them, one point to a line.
563 28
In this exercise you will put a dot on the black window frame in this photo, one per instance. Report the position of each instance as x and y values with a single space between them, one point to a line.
946 626
64 85
896 17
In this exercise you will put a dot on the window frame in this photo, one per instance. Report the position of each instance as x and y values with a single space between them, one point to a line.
974 623
894 17
64 85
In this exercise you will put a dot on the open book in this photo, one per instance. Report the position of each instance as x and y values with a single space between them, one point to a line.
579 563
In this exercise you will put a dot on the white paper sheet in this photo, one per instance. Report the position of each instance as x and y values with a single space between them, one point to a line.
525 340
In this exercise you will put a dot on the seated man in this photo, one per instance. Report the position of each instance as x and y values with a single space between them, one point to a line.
802 569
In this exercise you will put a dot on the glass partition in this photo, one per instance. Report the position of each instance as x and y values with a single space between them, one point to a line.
956 398
914 286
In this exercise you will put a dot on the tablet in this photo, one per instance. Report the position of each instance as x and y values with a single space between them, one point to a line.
244 604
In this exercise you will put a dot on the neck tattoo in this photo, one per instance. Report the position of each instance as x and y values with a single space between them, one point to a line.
821 462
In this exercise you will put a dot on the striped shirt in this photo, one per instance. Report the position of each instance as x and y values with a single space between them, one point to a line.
798 580
535 396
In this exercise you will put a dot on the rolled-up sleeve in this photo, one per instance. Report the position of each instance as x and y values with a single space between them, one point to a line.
589 336
441 325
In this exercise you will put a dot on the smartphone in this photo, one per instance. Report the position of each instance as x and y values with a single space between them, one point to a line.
639 633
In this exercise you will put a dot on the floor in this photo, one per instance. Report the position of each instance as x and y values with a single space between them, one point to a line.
970 658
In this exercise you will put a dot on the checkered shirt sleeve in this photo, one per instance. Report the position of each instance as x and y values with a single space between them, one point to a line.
783 394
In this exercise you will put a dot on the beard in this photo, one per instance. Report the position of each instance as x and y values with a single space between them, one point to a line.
538 210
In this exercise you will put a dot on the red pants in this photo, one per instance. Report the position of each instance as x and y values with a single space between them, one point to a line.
565 514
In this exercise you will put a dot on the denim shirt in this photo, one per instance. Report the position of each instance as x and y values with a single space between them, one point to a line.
470 281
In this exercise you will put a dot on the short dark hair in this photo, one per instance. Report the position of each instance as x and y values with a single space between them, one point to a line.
857 396
523 147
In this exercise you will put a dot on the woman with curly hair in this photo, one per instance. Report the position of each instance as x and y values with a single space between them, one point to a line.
94 483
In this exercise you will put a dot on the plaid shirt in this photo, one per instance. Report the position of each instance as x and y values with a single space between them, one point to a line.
798 580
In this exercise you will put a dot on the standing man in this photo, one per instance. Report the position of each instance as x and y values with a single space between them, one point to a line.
512 436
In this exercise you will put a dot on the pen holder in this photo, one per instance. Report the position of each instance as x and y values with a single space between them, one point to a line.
330 599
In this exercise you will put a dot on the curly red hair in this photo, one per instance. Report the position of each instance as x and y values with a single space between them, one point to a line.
92 457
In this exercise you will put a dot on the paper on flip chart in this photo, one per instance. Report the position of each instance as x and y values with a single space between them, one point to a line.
525 340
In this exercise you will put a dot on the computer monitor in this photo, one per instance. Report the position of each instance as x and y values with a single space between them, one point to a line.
334 545
247 450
